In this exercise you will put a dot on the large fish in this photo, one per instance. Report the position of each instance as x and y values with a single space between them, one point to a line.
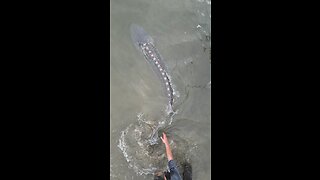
144 43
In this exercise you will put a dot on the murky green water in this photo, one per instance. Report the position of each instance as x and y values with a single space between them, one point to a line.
181 30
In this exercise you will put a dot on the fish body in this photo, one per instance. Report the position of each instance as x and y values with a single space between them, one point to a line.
144 43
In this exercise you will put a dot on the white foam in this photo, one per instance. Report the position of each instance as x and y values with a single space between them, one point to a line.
138 157
132 164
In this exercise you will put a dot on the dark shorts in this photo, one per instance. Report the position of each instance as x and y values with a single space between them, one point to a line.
174 173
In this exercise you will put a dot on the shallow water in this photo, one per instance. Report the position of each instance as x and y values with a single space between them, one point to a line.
181 31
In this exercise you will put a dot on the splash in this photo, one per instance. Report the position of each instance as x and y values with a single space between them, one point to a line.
141 152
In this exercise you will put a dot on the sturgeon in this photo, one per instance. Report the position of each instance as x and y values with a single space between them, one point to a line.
144 43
